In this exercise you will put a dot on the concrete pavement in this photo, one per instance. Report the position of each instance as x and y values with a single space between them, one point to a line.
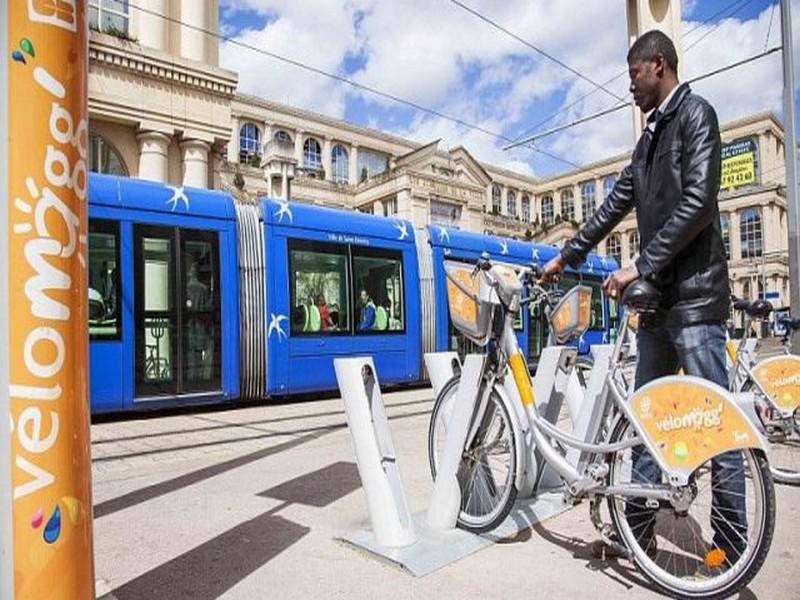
247 503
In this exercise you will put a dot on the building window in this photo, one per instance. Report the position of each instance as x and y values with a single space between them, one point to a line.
614 247
587 199
444 213
511 203
282 137
340 164
725 228
608 185
104 158
750 229
390 206
567 205
250 144
526 208
548 215
371 163
312 154
633 243
497 199
109 16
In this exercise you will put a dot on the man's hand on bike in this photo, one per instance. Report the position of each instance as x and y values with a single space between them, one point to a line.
616 283
552 270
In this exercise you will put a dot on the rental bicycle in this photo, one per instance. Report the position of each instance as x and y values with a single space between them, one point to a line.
689 536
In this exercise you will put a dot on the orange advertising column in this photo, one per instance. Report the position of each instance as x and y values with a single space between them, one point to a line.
43 300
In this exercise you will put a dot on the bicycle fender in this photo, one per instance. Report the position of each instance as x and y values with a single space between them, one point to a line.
527 470
684 421
779 377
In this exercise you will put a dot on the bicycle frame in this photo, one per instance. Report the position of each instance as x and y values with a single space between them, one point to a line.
613 405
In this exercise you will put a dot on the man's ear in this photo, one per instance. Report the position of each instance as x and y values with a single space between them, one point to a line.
660 65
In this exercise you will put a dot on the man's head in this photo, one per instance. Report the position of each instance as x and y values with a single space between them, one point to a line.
364 296
653 69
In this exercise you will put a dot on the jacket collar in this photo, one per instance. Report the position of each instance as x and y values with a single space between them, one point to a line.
680 93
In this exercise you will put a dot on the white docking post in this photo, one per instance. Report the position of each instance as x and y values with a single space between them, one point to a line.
375 456
446 498
441 367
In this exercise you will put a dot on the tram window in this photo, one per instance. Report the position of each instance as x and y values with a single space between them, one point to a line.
570 280
318 288
104 288
159 307
378 290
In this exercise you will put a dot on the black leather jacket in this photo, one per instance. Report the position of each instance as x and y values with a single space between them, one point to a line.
672 182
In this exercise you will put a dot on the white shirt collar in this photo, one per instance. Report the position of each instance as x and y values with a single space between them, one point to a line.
651 121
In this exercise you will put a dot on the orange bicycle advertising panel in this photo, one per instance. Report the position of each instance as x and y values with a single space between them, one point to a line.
780 378
689 420
46 58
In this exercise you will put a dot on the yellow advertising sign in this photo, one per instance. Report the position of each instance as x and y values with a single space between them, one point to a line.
688 421
738 164
47 133
780 378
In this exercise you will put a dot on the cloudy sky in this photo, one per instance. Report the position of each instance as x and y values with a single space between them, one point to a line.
440 56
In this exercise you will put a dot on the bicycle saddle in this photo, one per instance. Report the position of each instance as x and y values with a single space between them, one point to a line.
759 309
641 296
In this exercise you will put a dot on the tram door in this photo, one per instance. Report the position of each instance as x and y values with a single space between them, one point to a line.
177 311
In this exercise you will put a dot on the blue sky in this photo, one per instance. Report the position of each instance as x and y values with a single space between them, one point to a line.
437 55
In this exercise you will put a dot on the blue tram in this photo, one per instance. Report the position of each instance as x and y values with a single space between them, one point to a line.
196 298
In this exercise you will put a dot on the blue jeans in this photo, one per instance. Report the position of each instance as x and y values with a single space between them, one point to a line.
700 351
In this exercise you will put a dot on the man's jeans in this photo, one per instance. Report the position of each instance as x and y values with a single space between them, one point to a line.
699 350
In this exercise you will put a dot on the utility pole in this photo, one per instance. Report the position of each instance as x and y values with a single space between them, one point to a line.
790 152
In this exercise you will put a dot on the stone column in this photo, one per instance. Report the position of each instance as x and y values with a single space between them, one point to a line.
194 42
353 164
284 184
153 147
736 243
195 163
326 158
299 138
233 144
504 200
152 29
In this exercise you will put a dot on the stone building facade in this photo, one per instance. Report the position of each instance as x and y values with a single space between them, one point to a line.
161 108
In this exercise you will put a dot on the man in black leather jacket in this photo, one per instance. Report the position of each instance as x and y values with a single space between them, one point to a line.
672 182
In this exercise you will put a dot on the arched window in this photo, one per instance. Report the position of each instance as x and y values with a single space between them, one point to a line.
725 228
587 199
312 154
249 144
104 158
109 16
567 205
340 165
548 210
614 247
526 208
750 229
282 137
633 243
608 185
497 199
512 203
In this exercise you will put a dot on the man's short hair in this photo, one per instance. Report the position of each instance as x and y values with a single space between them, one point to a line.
650 45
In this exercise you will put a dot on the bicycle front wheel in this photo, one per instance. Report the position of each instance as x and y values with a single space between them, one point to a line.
713 544
486 474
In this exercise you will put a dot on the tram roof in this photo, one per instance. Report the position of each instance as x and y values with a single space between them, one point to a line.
137 194
512 250
335 221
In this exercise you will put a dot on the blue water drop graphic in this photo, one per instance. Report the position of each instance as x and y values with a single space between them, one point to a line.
17 56
53 528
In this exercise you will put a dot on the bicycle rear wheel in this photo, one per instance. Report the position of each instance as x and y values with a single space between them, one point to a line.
487 470
678 549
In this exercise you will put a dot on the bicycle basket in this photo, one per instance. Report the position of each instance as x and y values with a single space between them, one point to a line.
471 312
572 315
